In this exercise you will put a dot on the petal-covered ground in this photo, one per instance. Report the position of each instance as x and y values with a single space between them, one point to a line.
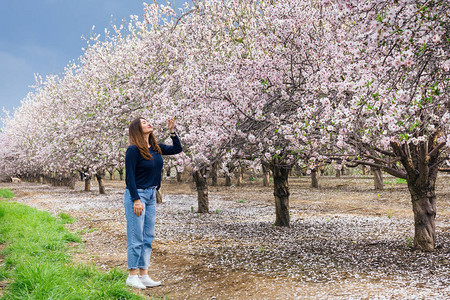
346 241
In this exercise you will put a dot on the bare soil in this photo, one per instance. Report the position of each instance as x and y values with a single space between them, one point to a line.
346 240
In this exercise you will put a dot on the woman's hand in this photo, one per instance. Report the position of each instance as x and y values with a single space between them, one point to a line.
138 207
171 124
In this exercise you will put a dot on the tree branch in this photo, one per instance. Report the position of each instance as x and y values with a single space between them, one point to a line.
406 160
436 149
392 171
423 162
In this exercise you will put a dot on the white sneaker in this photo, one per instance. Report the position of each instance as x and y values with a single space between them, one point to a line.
148 282
133 280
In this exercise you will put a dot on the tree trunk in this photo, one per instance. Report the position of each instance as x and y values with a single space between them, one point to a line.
266 179
421 163
266 175
378 178
87 183
158 196
424 208
227 180
338 173
202 191
72 181
101 185
111 175
120 174
240 177
314 178
179 177
322 170
281 193
363 169
214 174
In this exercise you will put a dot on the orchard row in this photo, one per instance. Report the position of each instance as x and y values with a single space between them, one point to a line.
268 83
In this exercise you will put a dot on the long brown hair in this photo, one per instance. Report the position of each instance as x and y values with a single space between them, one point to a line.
136 137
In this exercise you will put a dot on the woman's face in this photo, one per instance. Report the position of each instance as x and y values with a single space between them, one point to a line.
146 127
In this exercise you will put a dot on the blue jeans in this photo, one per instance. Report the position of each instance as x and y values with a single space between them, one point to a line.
140 230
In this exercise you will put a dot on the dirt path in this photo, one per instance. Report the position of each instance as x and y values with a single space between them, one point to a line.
346 240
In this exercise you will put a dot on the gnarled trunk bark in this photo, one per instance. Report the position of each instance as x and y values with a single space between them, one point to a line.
214 174
266 174
314 178
424 208
101 186
338 173
202 191
227 180
120 174
421 162
87 183
378 178
239 176
281 193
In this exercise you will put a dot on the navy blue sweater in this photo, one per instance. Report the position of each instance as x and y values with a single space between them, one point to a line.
142 173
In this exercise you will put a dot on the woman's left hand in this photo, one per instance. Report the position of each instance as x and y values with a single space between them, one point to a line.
171 124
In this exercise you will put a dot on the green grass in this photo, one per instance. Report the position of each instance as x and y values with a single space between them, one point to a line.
400 181
37 264
66 219
389 214
6 194
397 181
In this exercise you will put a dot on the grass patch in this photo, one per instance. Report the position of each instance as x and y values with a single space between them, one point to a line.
400 181
6 194
397 181
66 218
37 263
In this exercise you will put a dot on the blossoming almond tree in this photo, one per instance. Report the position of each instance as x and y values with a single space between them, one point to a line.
206 124
28 133
78 121
394 108
267 73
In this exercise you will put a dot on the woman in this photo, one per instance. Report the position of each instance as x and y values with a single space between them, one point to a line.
143 166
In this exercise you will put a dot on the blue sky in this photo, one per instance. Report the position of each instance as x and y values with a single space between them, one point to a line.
43 36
